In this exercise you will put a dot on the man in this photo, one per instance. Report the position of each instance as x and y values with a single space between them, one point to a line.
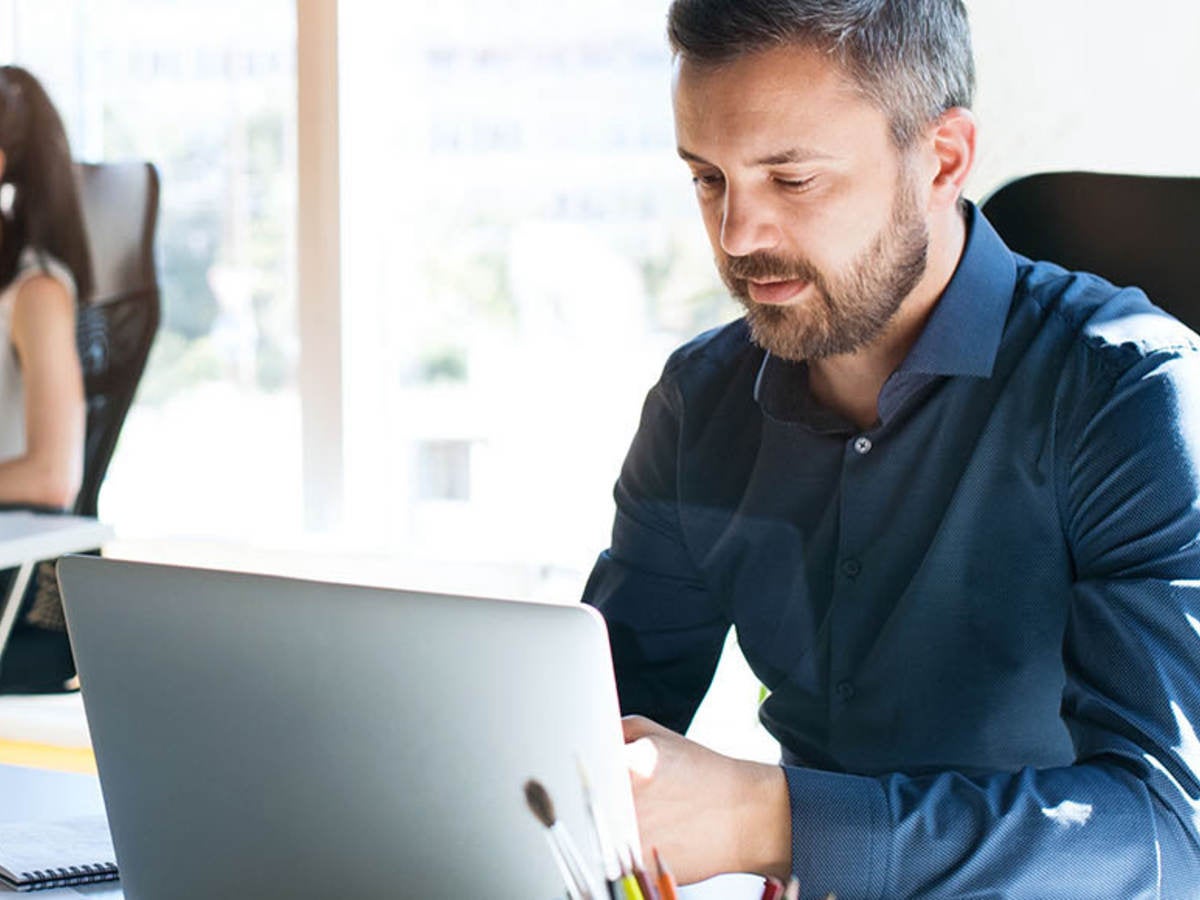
950 499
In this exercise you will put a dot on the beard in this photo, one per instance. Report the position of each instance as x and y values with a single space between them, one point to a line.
845 311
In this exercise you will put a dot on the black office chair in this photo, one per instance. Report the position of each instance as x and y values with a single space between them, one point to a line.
1132 229
115 331
114 334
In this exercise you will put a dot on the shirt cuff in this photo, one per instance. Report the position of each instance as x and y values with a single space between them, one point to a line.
839 833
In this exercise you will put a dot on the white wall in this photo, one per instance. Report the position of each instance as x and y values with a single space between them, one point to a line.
1099 85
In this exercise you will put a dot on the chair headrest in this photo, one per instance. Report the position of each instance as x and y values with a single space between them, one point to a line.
120 207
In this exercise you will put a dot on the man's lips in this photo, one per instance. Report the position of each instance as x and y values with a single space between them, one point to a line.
774 293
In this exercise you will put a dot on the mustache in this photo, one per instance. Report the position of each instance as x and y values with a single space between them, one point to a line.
767 267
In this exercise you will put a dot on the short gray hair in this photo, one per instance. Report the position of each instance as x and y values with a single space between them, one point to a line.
911 58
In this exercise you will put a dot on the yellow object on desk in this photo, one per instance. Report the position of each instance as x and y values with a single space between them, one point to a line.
47 756
629 888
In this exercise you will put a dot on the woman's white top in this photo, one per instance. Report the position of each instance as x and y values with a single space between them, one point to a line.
12 387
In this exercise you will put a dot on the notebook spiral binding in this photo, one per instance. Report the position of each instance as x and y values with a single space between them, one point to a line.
43 879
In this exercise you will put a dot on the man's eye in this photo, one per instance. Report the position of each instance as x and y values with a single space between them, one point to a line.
796 183
707 181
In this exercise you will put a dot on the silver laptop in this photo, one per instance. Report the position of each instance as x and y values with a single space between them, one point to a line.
264 737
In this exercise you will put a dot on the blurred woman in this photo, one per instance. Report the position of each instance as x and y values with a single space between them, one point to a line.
45 272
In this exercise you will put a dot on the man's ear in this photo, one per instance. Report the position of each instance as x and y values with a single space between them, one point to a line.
952 141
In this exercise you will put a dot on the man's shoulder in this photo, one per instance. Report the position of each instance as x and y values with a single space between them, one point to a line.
719 350
1113 325
715 369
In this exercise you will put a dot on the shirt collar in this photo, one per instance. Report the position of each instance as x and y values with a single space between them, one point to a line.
963 332
961 337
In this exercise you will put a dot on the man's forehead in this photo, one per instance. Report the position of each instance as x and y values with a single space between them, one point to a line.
791 103
774 63
780 76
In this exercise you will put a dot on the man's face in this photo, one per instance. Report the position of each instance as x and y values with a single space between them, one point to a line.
815 218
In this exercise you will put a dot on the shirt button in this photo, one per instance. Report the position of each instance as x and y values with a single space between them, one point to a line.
845 690
862 445
851 567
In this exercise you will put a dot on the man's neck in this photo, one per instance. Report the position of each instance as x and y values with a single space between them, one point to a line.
849 384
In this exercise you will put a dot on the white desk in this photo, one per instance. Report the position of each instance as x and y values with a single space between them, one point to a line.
27 538
33 795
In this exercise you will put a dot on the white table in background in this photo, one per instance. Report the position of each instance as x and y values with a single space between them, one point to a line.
26 538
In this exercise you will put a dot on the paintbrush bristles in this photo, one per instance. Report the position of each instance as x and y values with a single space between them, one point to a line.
539 802
571 864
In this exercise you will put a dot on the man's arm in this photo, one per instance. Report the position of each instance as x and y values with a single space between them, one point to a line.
665 628
1122 821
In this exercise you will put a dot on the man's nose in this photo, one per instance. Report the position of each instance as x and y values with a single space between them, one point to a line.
747 225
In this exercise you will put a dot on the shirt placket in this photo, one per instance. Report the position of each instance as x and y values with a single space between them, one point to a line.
852 572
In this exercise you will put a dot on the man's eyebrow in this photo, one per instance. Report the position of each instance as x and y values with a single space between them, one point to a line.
784 157
791 155
689 156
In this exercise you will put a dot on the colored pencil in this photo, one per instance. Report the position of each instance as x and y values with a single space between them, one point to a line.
630 888
666 881
649 891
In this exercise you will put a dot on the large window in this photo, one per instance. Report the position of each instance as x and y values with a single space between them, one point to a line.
522 252
216 424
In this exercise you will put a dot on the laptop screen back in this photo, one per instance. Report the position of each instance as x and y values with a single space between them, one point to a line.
268 737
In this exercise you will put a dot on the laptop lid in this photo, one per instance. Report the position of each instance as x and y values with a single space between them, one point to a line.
268 737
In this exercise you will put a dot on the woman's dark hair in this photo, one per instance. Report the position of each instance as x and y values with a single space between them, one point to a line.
42 209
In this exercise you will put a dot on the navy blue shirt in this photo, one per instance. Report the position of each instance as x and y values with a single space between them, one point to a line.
979 619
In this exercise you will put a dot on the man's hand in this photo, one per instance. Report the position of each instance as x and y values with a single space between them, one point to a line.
706 813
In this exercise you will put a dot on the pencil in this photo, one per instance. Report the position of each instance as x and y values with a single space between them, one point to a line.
649 892
666 881
630 888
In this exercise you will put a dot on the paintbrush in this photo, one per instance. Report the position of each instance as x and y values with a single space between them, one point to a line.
608 851
570 864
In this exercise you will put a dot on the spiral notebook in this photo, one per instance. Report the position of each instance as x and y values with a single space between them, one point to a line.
39 855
